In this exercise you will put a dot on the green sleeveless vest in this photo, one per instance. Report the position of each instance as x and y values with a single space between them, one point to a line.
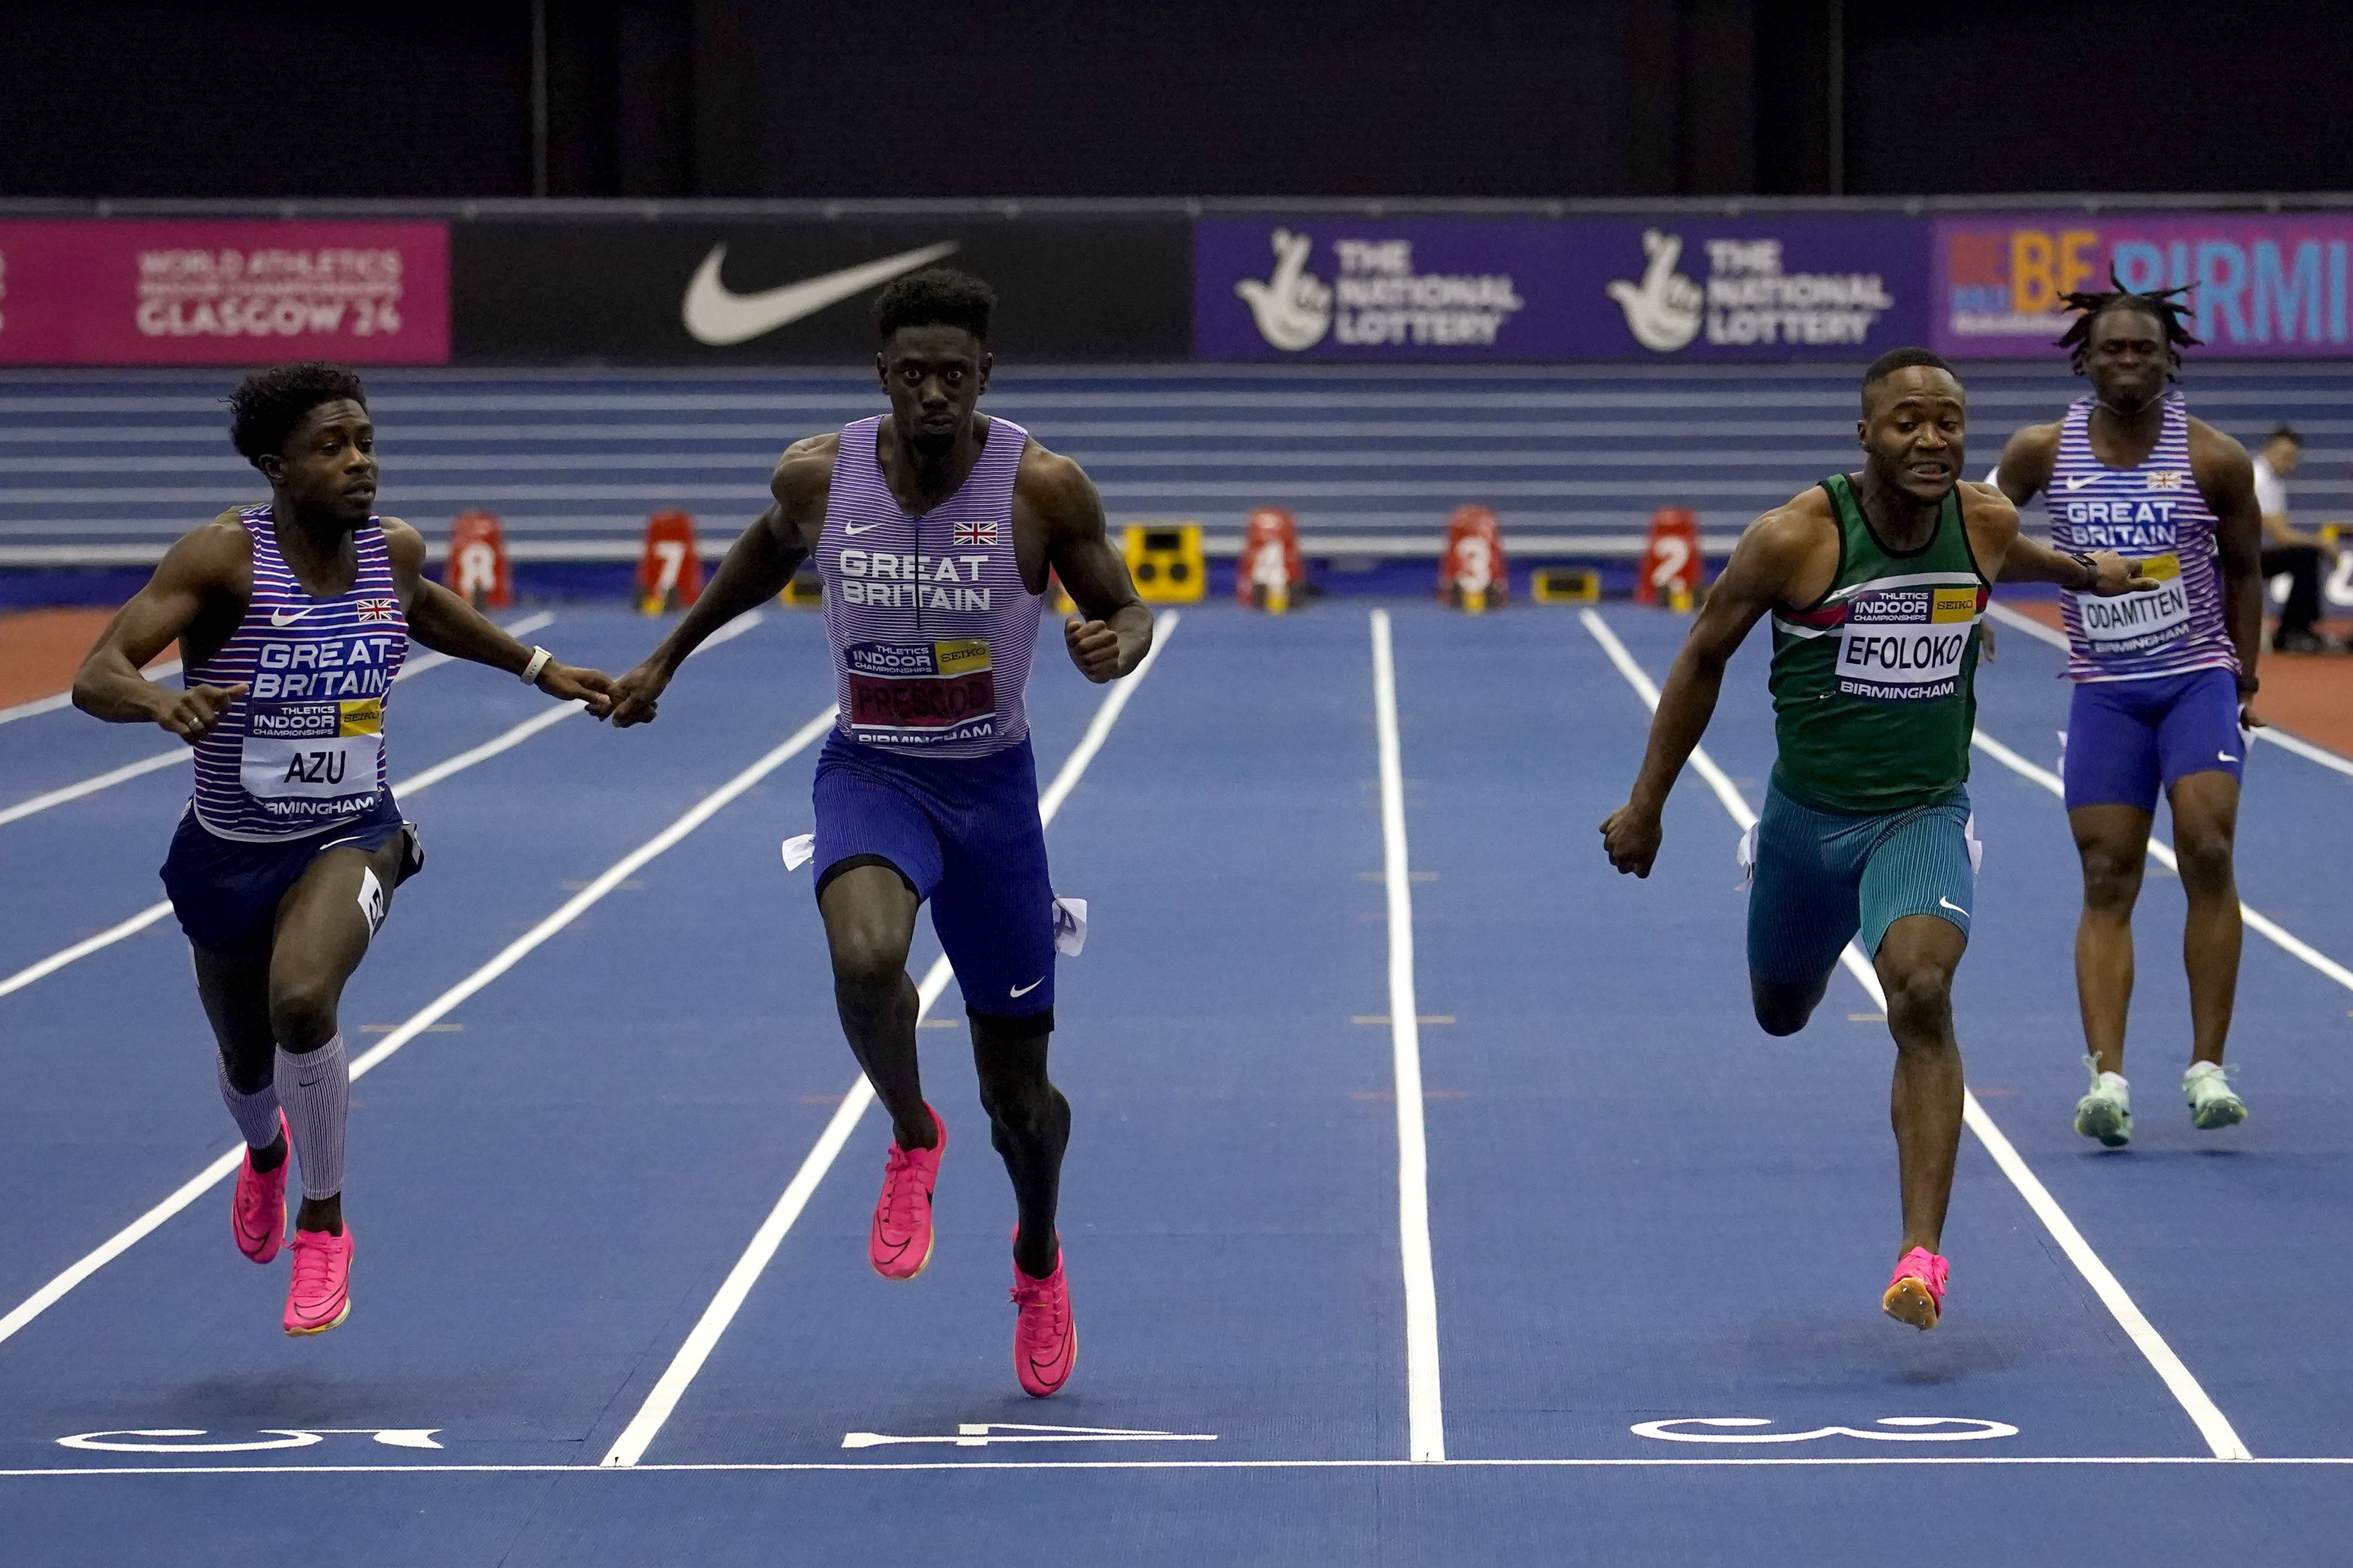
1874 691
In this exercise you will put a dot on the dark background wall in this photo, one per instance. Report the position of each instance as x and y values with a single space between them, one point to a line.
827 98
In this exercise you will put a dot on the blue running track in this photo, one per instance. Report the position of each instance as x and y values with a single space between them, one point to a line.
1645 1218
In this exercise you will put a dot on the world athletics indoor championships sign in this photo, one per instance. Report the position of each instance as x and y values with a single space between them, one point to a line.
2262 286
132 292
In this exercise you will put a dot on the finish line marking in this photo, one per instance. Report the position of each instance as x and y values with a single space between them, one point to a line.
979 1434
932 1466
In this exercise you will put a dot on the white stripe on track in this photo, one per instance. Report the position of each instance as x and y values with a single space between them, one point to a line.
183 752
2162 853
431 776
1425 1403
163 671
48 1295
703 1338
2284 741
2211 1423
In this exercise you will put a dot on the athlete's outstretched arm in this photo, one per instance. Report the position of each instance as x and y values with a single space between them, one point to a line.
756 567
1995 536
2225 476
1116 631
447 623
206 567
1767 559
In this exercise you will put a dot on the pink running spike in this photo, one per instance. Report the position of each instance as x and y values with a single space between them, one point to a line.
257 1209
1917 1293
319 1298
900 1244
1045 1340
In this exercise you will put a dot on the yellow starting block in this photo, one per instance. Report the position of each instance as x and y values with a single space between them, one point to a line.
1565 585
804 592
1164 559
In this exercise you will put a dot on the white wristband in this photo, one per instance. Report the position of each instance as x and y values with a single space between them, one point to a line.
539 658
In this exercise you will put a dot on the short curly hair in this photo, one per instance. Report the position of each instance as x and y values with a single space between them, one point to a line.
935 296
268 405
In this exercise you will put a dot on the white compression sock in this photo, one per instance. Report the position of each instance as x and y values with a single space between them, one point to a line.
256 1114
315 1088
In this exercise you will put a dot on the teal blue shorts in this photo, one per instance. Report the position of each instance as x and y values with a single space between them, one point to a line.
1821 877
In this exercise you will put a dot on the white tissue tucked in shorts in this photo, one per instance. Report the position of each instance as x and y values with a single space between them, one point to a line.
1070 927
799 850
1743 854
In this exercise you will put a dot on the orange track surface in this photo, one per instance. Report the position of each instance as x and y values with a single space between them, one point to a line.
39 650
2307 694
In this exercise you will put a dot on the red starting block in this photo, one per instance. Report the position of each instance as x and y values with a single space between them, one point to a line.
1270 571
1471 574
1671 560
477 570
669 571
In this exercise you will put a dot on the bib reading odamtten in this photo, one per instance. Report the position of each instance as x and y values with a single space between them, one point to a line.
1873 685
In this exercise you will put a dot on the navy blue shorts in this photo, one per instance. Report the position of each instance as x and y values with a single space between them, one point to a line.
1823 877
964 832
226 891
2128 740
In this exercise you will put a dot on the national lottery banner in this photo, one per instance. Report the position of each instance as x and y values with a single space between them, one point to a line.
117 292
2262 286
1668 288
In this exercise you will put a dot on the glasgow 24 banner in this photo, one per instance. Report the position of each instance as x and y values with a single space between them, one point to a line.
2260 284
136 292
1674 286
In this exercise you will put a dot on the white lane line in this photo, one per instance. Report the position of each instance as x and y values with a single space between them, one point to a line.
422 781
2211 1423
2287 743
629 1448
2162 853
180 753
163 671
48 1295
1425 1405
935 1467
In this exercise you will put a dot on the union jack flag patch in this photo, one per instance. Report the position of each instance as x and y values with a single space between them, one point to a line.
2168 479
977 532
378 609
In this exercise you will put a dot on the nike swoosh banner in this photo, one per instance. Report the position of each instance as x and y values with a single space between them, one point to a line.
1669 286
784 289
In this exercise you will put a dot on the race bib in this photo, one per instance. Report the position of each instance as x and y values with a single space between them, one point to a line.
918 694
2136 623
1905 645
313 759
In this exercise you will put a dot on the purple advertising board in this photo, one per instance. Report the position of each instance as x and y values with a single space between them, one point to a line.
2262 286
1672 288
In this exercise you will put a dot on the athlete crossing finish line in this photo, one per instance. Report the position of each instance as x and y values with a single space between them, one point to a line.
1875 584
934 528
2164 681
294 618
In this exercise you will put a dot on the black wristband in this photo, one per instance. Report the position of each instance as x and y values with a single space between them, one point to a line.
2091 569
2249 685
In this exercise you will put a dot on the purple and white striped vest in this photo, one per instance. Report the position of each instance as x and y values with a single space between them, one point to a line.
932 627
2153 514
304 749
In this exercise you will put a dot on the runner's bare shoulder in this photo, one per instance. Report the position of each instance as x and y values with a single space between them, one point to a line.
2029 456
1781 553
2218 461
212 558
1053 485
803 483
403 544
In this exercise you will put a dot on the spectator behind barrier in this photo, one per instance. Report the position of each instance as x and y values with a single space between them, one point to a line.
2286 552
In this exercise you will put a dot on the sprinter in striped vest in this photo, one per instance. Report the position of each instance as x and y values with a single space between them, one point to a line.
1875 583
934 527
292 620
2165 679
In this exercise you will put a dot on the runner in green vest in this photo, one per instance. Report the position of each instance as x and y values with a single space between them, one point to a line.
1875 583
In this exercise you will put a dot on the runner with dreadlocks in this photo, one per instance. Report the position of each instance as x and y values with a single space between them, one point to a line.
2164 678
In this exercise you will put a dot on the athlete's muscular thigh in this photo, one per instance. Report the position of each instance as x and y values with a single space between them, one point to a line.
870 923
325 924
